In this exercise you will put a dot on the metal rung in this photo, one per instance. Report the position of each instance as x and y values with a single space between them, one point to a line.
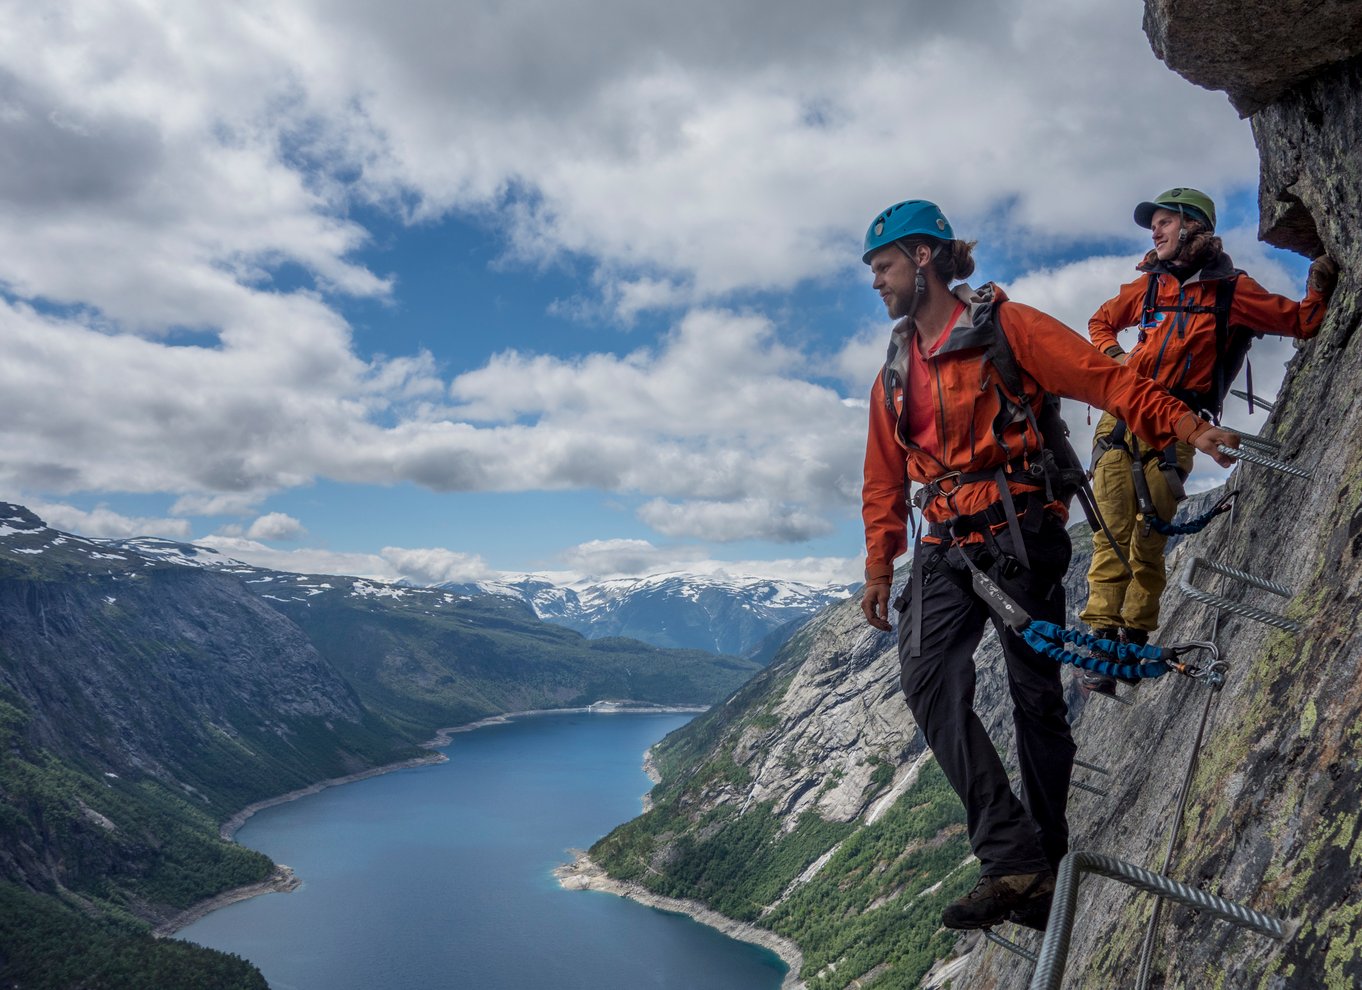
1009 945
1229 605
1091 766
1259 443
1253 457
1088 787
1054 951
1269 406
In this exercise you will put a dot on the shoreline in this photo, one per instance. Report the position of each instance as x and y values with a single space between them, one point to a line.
583 873
284 880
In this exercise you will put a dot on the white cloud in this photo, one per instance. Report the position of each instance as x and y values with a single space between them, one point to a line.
597 560
419 566
308 560
104 523
600 560
435 565
276 526
232 504
726 522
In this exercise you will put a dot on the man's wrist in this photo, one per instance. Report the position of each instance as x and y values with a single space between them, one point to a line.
1190 426
879 574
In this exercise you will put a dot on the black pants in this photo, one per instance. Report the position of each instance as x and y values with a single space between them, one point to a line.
1009 835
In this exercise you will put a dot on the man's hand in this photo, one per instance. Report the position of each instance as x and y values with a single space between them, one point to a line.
1211 439
875 604
1323 276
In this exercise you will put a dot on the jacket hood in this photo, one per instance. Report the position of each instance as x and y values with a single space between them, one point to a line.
1221 267
973 327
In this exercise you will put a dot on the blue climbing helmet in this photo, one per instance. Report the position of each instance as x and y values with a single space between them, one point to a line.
906 219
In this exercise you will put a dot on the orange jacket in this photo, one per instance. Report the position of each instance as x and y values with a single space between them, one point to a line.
1053 358
1178 349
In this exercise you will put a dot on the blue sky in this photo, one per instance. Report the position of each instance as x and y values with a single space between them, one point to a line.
448 291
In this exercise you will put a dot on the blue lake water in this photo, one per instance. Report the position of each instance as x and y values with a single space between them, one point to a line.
441 876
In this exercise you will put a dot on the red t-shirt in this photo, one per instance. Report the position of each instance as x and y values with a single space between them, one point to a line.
918 394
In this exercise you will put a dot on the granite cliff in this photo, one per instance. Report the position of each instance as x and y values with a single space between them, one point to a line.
810 789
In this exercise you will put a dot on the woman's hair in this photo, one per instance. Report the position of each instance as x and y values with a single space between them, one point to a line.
1200 248
955 260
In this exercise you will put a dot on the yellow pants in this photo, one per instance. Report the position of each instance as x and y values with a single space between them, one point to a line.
1115 596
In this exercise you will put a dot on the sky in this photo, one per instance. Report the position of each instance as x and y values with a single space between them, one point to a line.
447 291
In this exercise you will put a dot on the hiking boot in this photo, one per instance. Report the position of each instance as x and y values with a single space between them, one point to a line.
1035 914
1136 637
993 899
1094 683
1140 637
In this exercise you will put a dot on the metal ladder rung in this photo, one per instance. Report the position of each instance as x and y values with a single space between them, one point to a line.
1269 406
1229 605
1009 945
1054 951
1254 457
1259 443
1089 788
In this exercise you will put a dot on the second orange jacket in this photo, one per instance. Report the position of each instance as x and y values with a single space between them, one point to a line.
1179 349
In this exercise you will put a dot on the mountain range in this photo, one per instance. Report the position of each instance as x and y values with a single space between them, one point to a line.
743 616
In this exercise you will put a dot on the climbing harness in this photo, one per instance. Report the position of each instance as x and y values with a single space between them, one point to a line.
1055 469
1231 350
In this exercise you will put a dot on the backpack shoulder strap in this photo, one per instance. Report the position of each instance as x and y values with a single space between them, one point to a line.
1151 299
1002 357
1224 344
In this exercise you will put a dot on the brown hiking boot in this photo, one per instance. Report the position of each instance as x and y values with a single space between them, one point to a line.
993 899
1035 913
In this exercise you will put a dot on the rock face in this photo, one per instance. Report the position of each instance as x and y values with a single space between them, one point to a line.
1256 51
1272 813
1272 816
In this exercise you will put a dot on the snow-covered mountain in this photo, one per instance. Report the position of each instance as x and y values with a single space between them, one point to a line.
739 616
734 615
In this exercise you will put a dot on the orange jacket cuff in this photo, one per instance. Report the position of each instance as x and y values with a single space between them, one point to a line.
879 573
1189 426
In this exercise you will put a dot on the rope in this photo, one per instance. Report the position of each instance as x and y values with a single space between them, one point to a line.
1194 525
1048 639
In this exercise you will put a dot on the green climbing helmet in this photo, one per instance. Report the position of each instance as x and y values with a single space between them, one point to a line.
906 219
1189 202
